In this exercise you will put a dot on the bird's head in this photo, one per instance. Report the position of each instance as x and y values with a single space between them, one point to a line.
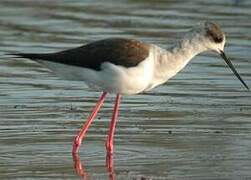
210 35
212 38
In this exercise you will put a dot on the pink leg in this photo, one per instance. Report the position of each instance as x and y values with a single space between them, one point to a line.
109 142
78 139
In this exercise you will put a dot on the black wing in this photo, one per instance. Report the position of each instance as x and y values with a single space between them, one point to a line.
124 52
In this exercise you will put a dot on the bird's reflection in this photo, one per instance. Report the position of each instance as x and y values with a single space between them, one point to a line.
83 174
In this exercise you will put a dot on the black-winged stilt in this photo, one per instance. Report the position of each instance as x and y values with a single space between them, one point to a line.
127 66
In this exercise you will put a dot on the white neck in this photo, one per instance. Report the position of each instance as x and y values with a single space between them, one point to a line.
171 61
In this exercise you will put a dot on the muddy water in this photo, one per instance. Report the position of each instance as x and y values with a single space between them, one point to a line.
197 126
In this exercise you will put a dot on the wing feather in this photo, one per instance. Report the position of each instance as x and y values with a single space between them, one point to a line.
124 52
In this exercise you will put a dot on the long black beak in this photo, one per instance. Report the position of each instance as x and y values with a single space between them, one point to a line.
229 63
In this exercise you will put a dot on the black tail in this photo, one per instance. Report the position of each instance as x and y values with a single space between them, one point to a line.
31 56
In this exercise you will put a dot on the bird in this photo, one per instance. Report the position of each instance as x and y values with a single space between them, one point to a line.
124 66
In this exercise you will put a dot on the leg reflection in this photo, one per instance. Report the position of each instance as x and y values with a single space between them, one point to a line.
110 166
79 168
82 173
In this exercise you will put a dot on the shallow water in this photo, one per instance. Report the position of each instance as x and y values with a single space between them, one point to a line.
197 126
